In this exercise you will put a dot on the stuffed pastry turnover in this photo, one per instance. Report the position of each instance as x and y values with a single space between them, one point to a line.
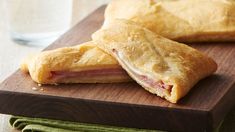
84 63
163 67
180 20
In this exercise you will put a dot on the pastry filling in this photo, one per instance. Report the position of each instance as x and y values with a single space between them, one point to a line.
155 84
96 73
145 79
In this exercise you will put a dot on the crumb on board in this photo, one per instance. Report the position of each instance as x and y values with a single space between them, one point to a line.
39 84
34 88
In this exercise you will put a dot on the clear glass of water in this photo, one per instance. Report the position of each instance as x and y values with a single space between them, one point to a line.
38 22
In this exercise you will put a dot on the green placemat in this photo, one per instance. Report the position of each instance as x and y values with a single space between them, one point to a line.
26 124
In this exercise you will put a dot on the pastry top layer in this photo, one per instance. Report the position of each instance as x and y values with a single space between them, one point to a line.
78 58
183 20
172 62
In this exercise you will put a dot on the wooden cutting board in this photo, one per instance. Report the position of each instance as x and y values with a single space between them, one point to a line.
125 104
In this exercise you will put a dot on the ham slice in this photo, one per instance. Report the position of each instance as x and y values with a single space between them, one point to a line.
89 74
111 72
155 84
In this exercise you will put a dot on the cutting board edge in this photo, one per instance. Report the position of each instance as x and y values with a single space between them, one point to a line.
30 109
101 101
219 114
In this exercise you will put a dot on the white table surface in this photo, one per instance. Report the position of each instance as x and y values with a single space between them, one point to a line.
12 53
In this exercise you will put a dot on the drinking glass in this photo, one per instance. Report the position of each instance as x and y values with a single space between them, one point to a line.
38 22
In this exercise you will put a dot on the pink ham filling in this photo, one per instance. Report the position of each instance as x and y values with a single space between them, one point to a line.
149 81
89 73
155 84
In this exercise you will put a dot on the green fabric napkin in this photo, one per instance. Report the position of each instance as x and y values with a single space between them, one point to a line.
26 124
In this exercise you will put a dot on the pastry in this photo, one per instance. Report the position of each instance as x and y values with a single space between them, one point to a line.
84 63
180 20
162 66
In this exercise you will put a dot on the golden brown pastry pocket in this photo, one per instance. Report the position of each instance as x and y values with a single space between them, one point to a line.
180 20
84 63
163 67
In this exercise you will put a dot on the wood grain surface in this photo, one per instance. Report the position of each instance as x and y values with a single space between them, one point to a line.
125 104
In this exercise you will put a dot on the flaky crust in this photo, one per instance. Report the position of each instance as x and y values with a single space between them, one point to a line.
171 62
78 58
180 20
